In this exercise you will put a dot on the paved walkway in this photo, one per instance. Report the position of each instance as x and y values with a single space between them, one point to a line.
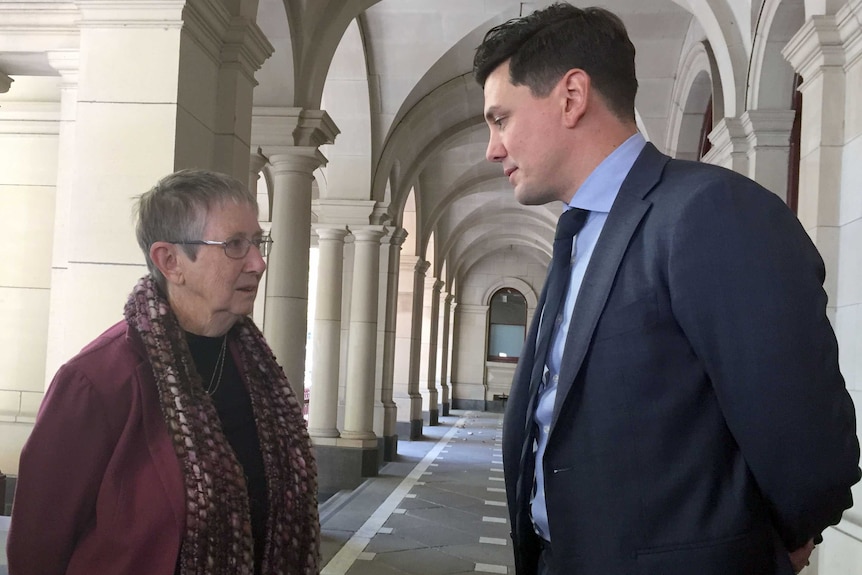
438 510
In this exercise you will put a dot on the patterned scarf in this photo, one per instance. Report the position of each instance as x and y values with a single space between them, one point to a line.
218 538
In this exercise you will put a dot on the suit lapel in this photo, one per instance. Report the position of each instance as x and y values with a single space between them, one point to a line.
626 214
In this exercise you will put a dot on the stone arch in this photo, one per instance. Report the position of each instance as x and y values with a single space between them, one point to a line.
691 96
514 283
770 76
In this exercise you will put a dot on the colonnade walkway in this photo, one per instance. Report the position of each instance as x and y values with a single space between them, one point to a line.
439 509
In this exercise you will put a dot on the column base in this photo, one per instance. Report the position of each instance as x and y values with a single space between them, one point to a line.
445 411
415 429
341 468
433 418
388 446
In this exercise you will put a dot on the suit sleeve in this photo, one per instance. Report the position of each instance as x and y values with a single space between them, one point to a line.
746 286
60 473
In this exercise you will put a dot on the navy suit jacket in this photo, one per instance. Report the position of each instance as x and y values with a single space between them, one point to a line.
701 423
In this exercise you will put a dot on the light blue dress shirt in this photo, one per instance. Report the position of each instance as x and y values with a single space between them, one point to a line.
596 194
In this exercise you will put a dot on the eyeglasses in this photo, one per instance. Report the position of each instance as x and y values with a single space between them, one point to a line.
236 248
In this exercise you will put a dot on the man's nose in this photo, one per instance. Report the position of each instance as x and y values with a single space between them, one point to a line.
495 151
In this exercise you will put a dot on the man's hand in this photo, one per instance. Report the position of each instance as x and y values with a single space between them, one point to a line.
799 558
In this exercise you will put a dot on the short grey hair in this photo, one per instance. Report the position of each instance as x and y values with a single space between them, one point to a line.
176 208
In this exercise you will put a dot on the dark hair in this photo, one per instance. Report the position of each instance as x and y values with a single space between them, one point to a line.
176 209
546 44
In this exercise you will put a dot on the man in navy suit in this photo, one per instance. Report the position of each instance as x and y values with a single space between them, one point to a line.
687 414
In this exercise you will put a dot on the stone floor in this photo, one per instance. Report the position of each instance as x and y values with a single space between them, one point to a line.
437 510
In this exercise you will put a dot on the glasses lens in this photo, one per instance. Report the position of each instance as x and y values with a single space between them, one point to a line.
237 248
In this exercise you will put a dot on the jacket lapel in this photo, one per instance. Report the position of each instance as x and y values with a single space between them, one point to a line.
626 214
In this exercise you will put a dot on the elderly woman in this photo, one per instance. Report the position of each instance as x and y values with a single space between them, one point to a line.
173 444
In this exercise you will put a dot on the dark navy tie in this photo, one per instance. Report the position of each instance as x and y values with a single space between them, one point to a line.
568 226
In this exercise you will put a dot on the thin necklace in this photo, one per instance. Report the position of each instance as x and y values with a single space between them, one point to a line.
219 367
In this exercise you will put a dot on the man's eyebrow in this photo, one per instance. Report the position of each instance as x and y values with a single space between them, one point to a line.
492 112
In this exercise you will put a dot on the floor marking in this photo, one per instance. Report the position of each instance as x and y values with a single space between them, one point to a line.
367 556
399 511
493 503
495 479
496 489
488 568
347 555
385 530
492 541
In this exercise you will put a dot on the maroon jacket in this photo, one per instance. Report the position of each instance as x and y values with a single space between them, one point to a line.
99 486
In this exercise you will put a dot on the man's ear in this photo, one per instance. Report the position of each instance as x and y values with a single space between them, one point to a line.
575 89
166 259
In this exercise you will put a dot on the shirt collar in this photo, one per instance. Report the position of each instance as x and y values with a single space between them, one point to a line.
600 189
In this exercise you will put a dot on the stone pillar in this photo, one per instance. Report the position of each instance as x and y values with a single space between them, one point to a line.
817 54
323 406
416 348
729 146
66 63
358 430
468 360
433 401
286 328
768 135
391 244
444 362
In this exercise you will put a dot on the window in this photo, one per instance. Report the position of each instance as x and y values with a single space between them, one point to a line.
508 325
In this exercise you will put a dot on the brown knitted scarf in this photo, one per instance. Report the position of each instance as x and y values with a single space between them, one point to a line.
218 538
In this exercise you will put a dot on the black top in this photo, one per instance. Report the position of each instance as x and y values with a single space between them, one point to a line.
233 405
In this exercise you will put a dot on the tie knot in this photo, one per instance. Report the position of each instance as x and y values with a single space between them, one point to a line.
570 223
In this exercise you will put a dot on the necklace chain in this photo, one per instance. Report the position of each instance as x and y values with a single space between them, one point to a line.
218 368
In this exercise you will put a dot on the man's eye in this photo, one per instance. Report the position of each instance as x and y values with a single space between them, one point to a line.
499 121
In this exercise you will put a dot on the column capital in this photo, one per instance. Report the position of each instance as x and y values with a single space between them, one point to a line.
368 233
728 139
768 128
438 286
67 64
421 266
296 159
286 126
330 232
257 161
246 46
816 45
449 299
398 236
347 212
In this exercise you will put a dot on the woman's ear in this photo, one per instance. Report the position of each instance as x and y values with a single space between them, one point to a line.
575 86
166 259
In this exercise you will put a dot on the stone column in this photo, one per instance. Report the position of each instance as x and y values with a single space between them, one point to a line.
416 348
433 402
729 146
323 406
468 360
358 430
66 63
816 52
391 244
444 362
286 328
768 135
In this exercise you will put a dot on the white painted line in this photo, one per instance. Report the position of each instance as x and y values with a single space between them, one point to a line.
497 469
496 490
487 519
493 541
410 496
428 473
496 479
488 568
492 503
347 555
419 483
399 511
433 465
366 556
385 530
